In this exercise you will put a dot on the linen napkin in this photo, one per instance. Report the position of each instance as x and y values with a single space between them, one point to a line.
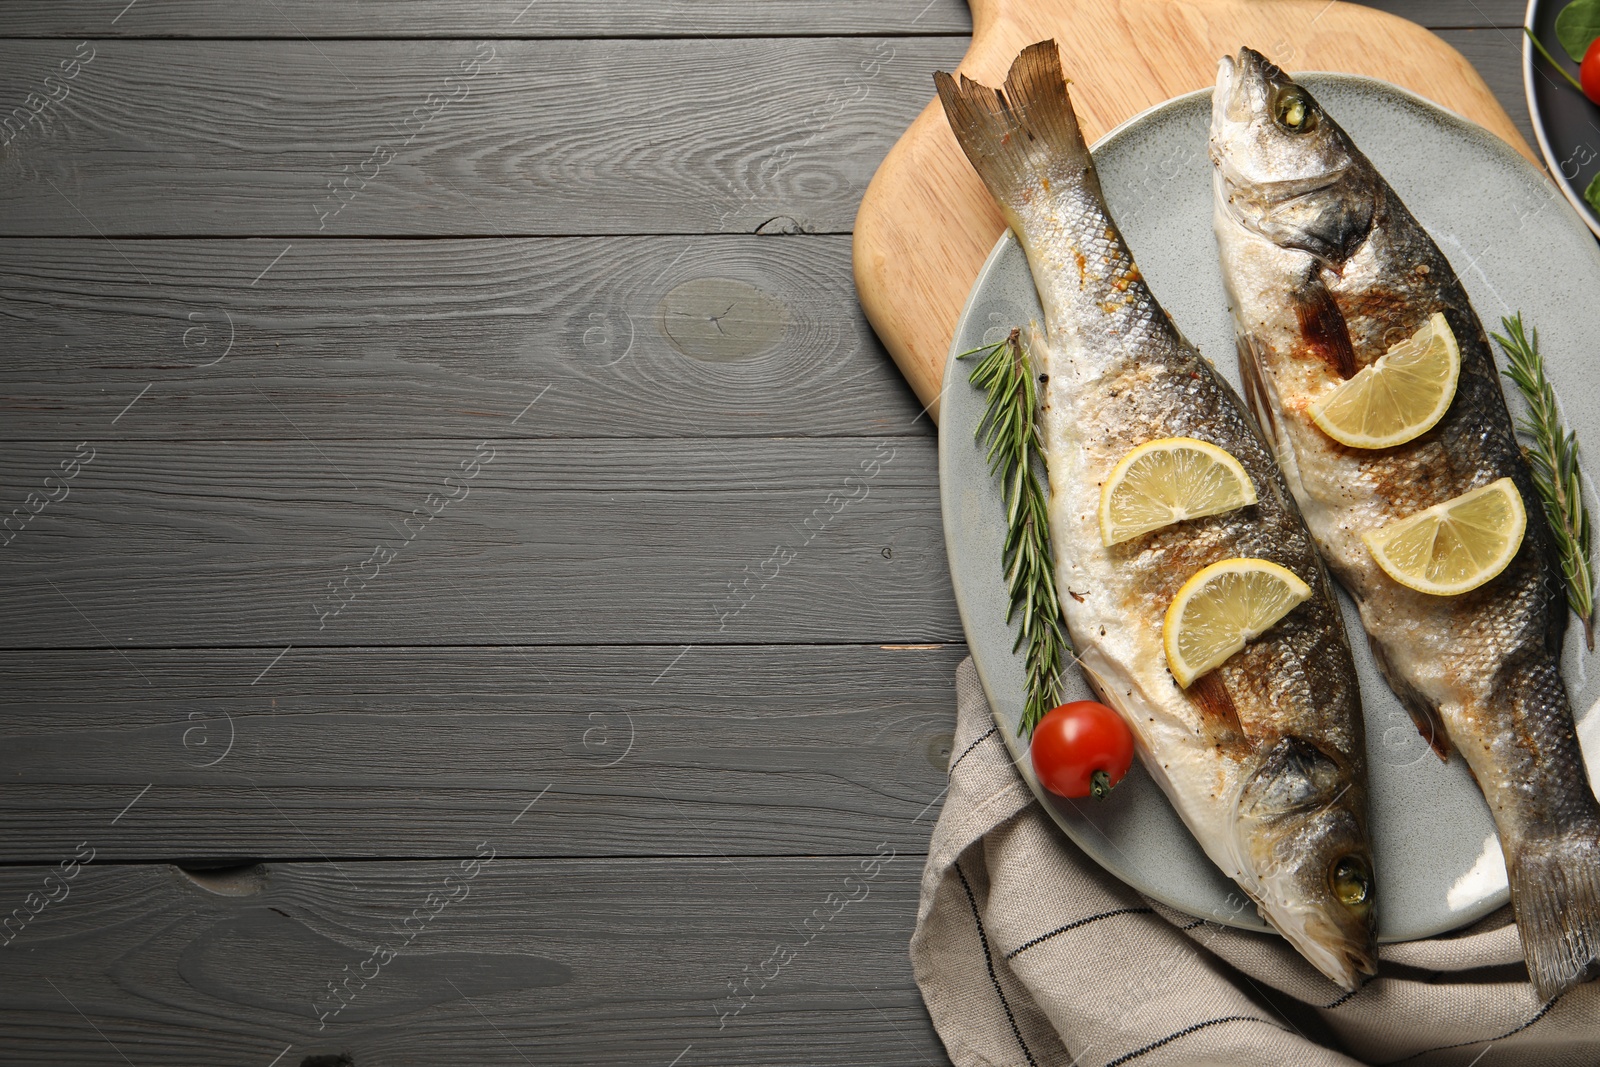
1028 953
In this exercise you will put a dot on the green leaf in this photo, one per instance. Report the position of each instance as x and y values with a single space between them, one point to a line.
1578 25
1592 194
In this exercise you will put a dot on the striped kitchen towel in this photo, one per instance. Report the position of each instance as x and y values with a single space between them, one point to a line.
1028 953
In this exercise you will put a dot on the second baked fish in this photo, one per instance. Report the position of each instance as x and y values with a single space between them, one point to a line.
1328 270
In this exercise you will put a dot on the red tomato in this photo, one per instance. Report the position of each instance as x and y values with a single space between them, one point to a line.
1081 749
1589 71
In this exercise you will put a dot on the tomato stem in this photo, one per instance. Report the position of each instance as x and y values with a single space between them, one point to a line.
1099 784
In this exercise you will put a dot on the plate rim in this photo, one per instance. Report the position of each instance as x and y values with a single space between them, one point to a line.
1246 919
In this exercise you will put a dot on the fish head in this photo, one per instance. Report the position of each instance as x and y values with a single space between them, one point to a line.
1302 837
1282 167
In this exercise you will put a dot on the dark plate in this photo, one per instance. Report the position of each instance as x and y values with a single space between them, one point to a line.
1565 122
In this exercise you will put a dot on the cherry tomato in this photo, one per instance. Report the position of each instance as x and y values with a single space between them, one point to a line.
1589 71
1081 749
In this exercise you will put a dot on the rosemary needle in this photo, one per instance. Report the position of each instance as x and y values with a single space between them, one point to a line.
1010 424
1553 459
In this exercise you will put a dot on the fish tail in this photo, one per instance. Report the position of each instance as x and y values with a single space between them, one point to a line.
1023 137
1555 892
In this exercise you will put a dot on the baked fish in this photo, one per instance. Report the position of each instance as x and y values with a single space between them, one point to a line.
1263 757
1326 269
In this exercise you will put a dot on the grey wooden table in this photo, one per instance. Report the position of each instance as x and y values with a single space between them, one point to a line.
446 620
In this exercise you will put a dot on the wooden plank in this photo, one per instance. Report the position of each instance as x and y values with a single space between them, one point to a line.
485 18
626 750
159 137
573 18
278 542
1497 55
354 338
1454 14
511 962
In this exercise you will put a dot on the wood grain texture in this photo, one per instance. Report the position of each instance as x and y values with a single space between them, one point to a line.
926 206
162 137
1453 14
163 544
375 752
573 962
447 338
573 18
574 608
489 18
1496 53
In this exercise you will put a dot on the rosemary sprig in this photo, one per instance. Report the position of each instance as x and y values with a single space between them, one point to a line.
1554 462
1006 375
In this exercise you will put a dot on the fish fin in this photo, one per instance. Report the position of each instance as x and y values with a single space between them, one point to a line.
1323 327
1423 711
1021 137
1210 694
1555 893
1255 389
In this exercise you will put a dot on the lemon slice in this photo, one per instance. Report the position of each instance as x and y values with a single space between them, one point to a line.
1400 396
1166 481
1223 607
1455 546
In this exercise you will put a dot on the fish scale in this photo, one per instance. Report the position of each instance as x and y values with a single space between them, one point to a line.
1304 221
1263 758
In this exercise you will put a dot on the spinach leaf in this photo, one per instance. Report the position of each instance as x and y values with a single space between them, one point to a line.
1577 25
1592 194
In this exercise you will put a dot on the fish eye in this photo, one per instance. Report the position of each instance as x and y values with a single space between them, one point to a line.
1352 882
1291 109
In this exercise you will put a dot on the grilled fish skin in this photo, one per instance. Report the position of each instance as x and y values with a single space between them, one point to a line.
1326 269
1263 758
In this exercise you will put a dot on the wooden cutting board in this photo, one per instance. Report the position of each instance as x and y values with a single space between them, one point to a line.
926 222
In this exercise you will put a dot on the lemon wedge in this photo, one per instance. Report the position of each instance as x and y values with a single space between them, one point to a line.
1166 481
1400 396
1223 607
1456 546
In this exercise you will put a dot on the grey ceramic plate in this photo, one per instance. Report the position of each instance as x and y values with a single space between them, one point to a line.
1517 245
